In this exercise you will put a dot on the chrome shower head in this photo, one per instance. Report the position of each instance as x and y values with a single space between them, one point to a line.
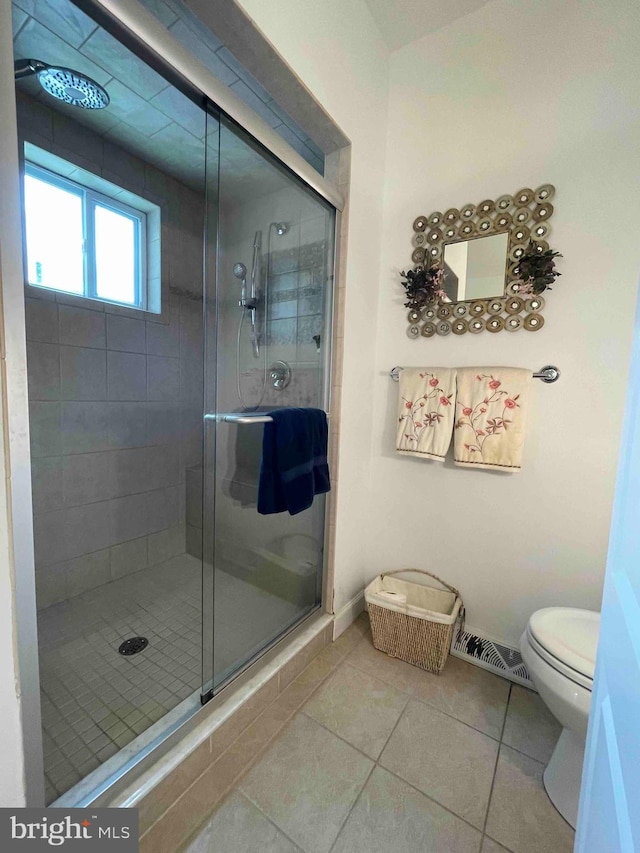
240 271
281 228
65 84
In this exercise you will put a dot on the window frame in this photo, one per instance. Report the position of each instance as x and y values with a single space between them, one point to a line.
91 199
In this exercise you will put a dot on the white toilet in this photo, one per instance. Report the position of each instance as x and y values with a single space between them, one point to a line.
559 650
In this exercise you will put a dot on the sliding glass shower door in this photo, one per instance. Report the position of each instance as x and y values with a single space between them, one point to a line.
178 287
267 319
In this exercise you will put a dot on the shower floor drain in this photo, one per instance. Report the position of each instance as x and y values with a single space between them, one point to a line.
133 645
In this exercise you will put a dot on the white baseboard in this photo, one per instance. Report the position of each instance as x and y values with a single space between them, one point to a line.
476 648
348 614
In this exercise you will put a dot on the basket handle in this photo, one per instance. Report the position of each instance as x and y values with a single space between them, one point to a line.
429 574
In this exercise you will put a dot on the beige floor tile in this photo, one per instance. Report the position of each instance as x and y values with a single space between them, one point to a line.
464 691
489 846
307 782
444 759
530 726
362 622
336 651
392 816
239 827
360 708
521 815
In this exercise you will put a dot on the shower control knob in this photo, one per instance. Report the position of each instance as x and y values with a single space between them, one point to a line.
280 374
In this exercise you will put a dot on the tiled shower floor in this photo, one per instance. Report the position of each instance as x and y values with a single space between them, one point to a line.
96 701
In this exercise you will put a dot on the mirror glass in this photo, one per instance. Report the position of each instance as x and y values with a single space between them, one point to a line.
475 269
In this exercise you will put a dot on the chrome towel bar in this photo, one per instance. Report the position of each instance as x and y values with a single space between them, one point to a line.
549 373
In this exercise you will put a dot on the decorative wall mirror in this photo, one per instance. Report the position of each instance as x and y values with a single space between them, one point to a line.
484 266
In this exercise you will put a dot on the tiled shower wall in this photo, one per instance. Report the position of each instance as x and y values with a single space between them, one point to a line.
207 47
297 284
115 394
297 287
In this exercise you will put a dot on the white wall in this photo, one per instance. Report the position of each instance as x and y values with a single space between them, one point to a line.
337 52
516 95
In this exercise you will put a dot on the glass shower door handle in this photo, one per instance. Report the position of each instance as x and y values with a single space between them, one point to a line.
238 418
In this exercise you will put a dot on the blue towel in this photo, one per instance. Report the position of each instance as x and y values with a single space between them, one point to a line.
294 461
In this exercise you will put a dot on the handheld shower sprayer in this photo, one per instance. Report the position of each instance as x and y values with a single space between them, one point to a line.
255 295
250 301
257 302
240 272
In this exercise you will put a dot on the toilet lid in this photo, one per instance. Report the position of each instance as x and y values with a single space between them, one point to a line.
568 634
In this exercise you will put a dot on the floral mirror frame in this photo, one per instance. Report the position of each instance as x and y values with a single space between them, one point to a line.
529 269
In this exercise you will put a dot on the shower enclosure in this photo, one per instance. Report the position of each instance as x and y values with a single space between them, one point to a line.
178 284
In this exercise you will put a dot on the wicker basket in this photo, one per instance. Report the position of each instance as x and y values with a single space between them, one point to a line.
411 621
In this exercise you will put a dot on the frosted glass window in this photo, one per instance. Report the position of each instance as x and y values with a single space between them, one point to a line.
81 241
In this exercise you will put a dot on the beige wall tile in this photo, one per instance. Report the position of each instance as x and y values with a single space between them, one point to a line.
304 685
295 666
186 814
164 795
244 716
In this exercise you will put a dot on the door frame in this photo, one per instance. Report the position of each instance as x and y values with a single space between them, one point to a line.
604 763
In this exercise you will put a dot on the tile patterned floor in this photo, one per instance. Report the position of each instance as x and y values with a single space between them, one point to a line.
96 701
385 758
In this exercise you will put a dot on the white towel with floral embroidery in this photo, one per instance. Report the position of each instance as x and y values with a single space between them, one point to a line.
426 410
491 411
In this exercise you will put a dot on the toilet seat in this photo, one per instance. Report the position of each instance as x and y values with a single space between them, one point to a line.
566 638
